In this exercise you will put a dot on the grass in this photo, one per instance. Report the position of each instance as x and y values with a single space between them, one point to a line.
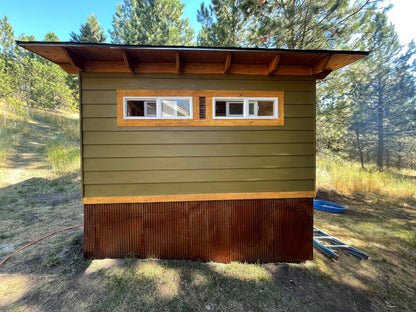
7 137
61 148
53 276
63 157
347 177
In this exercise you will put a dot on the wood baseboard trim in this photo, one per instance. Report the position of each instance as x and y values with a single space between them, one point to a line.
197 197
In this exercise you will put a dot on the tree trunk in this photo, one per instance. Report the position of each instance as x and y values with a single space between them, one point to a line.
380 130
360 150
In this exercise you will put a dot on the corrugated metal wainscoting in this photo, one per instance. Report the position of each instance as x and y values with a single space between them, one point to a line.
264 230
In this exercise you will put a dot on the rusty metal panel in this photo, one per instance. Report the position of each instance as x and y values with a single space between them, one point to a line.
294 230
252 230
166 230
210 231
264 230
116 230
89 231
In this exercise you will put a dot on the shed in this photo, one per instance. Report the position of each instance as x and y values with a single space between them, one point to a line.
197 153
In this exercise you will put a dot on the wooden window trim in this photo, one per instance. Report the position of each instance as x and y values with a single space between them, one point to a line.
196 121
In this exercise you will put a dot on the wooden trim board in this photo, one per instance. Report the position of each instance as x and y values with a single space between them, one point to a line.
197 197
209 121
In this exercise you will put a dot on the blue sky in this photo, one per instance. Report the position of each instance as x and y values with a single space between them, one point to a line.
38 17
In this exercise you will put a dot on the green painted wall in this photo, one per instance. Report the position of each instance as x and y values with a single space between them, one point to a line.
135 161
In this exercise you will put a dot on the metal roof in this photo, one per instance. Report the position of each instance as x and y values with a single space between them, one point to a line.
74 57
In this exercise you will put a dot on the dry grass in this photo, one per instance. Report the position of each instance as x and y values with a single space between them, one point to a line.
347 177
53 276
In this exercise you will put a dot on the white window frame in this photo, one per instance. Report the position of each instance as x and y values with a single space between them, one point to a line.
158 101
246 101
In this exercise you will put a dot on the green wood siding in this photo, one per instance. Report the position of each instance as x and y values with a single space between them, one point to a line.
136 161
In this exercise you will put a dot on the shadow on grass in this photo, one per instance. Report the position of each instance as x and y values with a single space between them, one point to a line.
31 190
173 285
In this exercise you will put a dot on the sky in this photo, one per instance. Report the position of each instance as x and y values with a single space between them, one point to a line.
38 17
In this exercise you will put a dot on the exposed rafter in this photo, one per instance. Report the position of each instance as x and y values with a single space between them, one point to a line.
323 74
272 66
227 63
178 62
128 60
74 59
87 57
320 65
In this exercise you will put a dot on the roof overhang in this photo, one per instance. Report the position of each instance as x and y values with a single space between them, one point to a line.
91 57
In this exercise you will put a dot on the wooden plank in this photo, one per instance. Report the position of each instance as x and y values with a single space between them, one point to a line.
196 137
99 97
175 163
105 66
178 62
320 64
99 110
110 124
227 63
112 75
197 197
178 150
293 70
128 60
197 68
189 84
272 66
300 98
161 68
109 190
212 175
293 111
74 59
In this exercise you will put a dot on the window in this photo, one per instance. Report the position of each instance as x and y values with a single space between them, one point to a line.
245 108
158 108
199 108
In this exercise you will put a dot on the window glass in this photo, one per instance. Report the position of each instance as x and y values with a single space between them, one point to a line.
176 107
236 108
220 108
135 108
150 109
265 108
252 108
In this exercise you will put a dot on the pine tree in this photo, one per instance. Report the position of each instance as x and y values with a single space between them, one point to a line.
51 37
151 22
390 101
91 32
224 24
306 24
380 97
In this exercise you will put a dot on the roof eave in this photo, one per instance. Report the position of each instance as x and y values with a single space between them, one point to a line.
76 57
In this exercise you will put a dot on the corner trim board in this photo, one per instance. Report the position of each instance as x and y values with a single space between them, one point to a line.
197 197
